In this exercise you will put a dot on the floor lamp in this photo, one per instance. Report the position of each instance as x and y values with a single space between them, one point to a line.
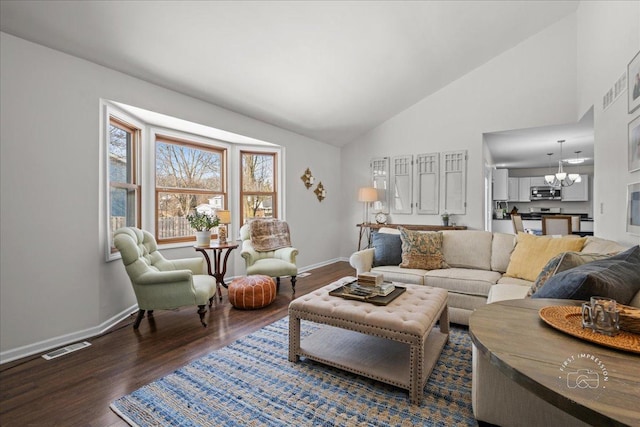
366 195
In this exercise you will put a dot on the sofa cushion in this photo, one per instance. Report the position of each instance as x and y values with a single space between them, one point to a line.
562 262
467 249
502 245
422 249
462 280
504 280
597 245
532 253
616 277
394 273
501 292
387 249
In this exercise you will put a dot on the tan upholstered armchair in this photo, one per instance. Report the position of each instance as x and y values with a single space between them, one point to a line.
272 263
160 283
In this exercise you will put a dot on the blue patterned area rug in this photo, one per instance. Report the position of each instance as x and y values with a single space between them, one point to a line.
251 383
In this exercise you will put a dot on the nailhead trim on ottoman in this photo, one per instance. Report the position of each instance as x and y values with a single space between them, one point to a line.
252 292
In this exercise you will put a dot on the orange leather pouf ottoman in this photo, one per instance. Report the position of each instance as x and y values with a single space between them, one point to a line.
252 292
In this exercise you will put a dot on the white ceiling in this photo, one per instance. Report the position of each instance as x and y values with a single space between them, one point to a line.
329 70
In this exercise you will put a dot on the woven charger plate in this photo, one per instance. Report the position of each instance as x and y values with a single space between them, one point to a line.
568 319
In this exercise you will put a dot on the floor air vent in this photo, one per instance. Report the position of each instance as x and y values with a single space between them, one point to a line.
66 350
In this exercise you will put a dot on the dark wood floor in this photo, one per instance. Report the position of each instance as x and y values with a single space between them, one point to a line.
76 389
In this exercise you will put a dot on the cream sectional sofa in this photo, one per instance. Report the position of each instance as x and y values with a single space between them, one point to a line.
478 261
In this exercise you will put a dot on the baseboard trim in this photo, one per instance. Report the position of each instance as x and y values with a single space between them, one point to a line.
62 340
52 343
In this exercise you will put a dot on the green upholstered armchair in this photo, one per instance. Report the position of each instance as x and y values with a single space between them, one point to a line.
160 283
280 262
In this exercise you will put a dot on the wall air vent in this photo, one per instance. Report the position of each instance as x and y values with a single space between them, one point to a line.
65 350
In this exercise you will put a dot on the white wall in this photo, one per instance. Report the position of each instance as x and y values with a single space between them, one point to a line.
532 84
55 285
608 38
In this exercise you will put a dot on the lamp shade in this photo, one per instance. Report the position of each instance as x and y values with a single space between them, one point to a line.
367 194
224 216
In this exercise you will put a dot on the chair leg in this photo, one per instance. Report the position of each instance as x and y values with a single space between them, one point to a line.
277 284
210 302
201 311
149 313
138 319
293 284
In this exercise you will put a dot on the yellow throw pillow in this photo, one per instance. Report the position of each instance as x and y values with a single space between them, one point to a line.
422 250
532 253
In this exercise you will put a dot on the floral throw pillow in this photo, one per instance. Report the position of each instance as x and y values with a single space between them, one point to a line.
422 250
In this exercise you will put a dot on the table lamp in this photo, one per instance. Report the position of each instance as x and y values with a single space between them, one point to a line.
225 218
367 195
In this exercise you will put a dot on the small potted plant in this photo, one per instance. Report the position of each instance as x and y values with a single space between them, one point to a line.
445 218
202 222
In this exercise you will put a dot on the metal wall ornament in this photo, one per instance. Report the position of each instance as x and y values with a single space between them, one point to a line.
320 191
307 178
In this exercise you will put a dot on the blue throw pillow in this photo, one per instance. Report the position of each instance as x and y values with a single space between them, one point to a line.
387 249
616 277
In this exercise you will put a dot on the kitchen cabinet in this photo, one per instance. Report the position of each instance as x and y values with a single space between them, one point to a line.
501 184
514 189
578 192
524 189
519 189
538 181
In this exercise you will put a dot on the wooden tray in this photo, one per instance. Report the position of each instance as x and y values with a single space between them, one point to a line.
629 318
377 300
568 319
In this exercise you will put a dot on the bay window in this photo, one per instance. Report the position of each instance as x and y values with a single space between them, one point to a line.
157 169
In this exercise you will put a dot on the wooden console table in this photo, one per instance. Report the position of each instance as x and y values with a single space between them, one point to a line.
511 335
365 229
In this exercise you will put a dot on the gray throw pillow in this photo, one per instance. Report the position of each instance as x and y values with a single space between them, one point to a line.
387 249
616 277
562 262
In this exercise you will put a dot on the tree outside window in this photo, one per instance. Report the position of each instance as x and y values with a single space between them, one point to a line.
188 176
258 185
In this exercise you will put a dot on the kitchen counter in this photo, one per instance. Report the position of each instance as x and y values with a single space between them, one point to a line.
539 215
538 218
506 226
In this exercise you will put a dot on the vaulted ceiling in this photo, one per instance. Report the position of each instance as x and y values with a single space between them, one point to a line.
330 70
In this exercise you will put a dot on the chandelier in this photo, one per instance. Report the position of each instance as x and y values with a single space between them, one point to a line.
560 178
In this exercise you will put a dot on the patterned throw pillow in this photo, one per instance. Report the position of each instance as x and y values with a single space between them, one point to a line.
422 250
548 271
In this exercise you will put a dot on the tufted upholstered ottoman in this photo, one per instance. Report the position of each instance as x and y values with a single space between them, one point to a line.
396 344
251 292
